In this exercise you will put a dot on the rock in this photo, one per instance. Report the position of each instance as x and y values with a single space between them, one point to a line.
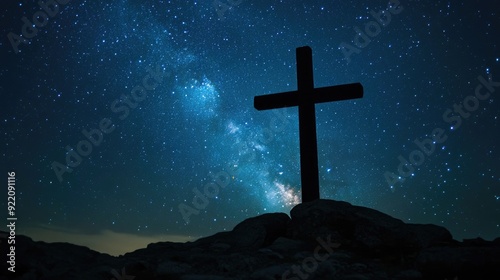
262 230
252 233
423 236
270 253
477 262
356 277
57 260
139 268
360 227
323 239
497 241
220 247
480 242
360 267
329 269
287 245
172 268
408 275
271 272
205 277
342 221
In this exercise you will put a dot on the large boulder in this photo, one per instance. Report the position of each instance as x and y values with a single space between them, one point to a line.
360 227
252 233
470 262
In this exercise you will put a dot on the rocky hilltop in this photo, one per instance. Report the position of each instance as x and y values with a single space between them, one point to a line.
324 239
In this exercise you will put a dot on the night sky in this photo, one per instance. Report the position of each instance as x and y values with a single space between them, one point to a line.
132 122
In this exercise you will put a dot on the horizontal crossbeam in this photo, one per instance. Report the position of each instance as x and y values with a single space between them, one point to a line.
319 95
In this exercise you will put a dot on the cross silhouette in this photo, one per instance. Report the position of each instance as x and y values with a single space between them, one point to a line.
305 97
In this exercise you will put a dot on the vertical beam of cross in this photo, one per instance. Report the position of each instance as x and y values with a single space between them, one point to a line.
307 126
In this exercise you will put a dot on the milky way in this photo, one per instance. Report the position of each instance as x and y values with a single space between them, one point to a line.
162 93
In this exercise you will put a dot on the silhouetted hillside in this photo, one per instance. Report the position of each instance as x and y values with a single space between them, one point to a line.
323 239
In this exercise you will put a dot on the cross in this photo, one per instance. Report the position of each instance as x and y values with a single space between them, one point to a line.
305 98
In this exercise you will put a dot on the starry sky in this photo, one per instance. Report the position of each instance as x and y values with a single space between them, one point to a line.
130 122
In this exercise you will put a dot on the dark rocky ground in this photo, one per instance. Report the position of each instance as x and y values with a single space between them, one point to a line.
324 239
